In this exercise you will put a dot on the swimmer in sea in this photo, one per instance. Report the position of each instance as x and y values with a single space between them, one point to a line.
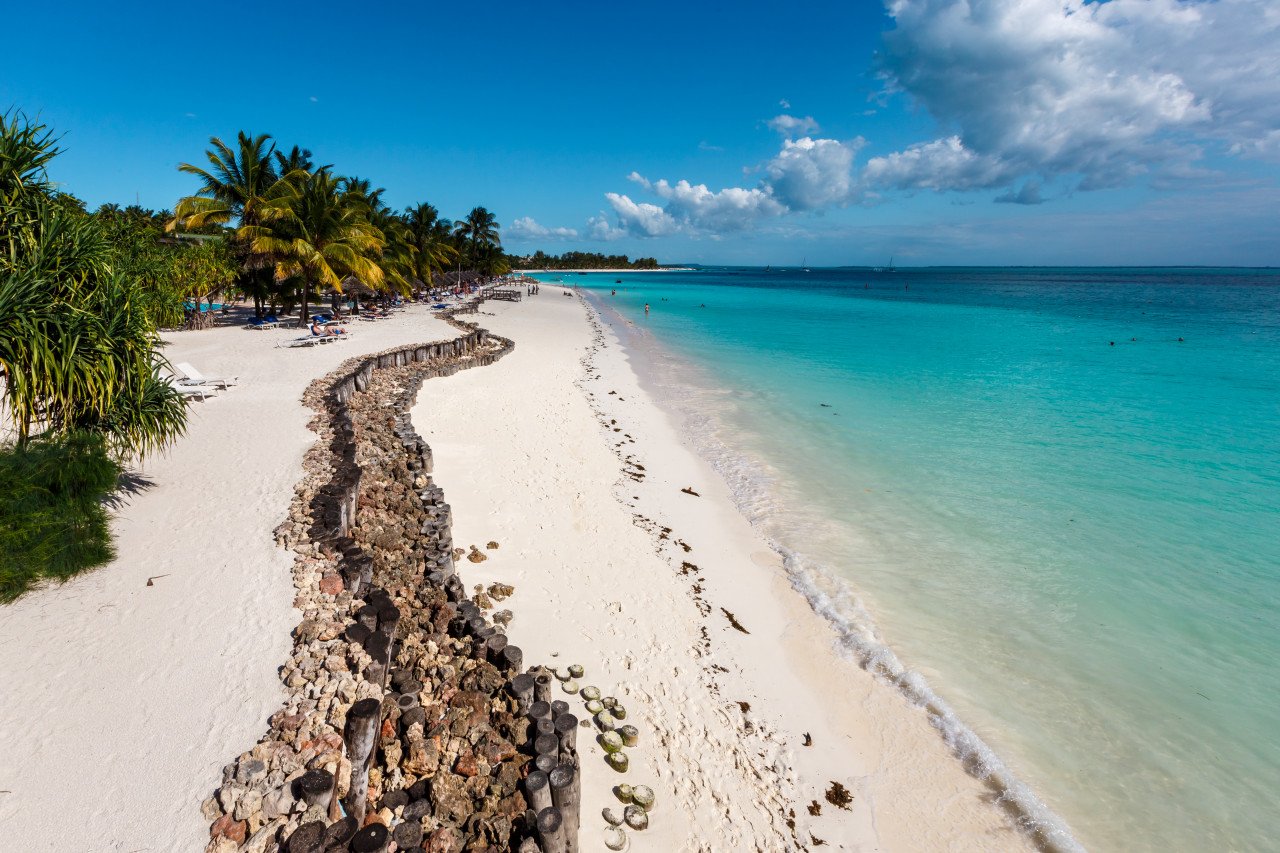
646 309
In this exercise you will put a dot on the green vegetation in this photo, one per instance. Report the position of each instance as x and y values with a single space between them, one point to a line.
51 501
80 298
539 260
295 230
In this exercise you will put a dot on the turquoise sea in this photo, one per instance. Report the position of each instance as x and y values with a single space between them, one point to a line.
1046 502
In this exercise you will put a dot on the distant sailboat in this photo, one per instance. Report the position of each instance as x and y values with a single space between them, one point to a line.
804 264
889 268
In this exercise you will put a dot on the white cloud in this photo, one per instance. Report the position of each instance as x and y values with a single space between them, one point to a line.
313 99
527 228
1105 92
790 126
810 174
939 165
785 104
641 218
707 146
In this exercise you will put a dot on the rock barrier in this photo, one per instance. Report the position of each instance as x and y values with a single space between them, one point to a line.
410 722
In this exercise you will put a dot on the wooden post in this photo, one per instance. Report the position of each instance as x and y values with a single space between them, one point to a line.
546 763
308 838
522 689
542 686
316 787
361 735
537 787
551 828
512 659
372 839
547 744
494 647
529 845
566 794
567 732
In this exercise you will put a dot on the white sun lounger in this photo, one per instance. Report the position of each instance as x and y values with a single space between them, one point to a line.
191 376
195 392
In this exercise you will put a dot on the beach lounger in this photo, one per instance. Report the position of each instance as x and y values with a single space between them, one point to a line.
263 323
191 376
195 392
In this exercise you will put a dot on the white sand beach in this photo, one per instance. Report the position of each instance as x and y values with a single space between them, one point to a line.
643 585
123 700
126 699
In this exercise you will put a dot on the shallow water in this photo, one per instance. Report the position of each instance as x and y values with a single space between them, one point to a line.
1076 543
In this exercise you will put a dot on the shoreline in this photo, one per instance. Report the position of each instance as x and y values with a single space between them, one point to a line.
610 270
855 635
677 600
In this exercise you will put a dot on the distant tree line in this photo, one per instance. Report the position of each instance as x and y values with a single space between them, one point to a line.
540 260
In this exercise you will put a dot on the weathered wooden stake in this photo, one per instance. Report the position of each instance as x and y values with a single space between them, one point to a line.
308 838
542 686
371 839
537 786
522 689
361 737
551 828
316 787
566 794
512 658
567 731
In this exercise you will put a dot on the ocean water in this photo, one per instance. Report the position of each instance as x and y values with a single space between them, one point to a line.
1044 502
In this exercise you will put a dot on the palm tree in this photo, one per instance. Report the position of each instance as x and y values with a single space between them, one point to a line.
297 160
238 183
428 234
479 230
318 234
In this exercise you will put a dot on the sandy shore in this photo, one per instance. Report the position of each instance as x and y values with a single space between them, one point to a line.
673 604
123 701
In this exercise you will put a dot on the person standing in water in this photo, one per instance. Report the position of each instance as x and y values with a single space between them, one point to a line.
646 309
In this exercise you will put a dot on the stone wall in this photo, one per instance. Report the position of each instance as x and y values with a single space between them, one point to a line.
407 724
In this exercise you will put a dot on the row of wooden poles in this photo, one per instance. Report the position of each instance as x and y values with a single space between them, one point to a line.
553 789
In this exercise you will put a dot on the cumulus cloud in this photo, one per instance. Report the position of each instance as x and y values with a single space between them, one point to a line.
1099 92
810 174
1026 93
791 126
527 228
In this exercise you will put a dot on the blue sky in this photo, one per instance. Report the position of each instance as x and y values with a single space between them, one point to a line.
935 131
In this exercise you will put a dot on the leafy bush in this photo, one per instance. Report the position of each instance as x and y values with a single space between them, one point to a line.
53 524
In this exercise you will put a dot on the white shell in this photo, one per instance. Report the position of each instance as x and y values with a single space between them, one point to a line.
615 838
611 817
